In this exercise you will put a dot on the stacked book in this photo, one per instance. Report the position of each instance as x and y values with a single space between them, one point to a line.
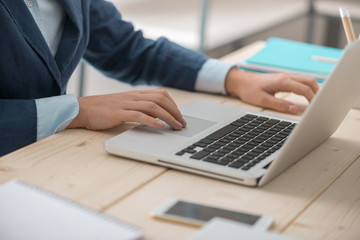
287 56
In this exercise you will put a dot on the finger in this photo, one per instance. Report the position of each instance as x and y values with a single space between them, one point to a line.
156 111
142 118
167 104
298 88
160 91
163 99
311 82
271 102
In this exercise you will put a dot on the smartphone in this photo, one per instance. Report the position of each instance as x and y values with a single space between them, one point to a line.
196 214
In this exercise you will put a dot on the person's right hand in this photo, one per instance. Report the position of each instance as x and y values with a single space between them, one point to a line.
146 107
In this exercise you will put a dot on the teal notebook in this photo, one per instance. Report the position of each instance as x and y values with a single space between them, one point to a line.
294 57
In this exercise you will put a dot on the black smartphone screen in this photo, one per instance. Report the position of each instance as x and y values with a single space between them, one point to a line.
205 213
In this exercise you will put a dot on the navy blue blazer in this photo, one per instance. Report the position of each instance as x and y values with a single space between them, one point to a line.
95 31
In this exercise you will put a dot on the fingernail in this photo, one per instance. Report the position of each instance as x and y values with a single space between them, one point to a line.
178 125
159 124
292 109
184 123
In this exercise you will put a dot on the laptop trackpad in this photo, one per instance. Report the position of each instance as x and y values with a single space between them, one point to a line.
194 126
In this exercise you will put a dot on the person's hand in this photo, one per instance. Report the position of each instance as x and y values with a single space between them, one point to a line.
145 107
259 88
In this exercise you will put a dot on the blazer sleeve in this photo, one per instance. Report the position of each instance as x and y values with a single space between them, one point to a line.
18 124
120 52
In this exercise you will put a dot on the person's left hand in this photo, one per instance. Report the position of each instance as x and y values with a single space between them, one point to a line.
259 88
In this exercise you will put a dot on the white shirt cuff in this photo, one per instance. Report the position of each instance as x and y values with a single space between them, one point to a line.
211 77
54 114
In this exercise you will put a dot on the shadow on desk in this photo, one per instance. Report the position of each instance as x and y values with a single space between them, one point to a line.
316 171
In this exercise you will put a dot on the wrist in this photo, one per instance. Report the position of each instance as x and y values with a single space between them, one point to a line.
233 81
76 122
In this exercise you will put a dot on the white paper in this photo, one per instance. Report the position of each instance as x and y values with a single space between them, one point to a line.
27 212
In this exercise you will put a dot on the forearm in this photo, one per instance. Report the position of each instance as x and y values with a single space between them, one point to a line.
122 53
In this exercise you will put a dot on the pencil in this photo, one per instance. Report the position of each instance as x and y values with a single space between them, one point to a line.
349 29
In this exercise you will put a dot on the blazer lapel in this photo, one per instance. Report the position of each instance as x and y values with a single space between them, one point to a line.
73 8
71 37
29 29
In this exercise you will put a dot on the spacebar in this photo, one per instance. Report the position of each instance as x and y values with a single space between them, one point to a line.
222 132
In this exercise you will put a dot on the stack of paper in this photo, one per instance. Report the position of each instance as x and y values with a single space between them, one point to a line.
282 55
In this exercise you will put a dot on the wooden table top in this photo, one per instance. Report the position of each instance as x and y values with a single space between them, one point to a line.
317 198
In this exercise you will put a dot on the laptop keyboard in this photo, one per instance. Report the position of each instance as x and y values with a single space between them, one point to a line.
243 143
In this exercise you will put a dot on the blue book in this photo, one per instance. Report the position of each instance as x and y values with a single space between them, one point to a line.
282 55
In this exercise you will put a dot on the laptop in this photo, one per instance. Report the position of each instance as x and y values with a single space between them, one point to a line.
243 146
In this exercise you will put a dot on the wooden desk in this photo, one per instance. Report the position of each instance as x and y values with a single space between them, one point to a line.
317 198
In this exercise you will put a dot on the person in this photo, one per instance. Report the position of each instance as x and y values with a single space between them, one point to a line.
43 41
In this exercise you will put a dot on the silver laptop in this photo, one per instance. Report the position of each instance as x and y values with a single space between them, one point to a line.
243 146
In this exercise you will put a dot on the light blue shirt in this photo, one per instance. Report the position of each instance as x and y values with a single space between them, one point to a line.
56 113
